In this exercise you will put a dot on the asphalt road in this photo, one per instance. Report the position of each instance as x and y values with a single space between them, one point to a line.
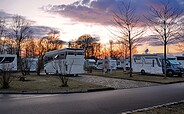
106 102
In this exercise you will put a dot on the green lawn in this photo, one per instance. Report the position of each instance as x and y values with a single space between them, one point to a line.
171 109
36 83
138 77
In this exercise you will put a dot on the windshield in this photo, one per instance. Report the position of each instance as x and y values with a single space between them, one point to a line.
174 62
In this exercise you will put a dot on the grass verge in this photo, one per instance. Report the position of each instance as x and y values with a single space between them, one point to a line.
171 109
39 84
138 77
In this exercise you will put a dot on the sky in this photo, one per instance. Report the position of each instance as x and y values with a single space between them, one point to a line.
74 18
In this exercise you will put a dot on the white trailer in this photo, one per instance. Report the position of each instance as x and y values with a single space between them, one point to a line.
153 64
64 61
8 62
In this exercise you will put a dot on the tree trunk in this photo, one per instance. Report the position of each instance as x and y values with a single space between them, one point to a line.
5 80
130 49
165 57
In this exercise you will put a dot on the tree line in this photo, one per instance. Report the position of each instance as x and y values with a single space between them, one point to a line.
165 21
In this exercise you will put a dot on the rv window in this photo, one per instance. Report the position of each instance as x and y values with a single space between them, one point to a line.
56 57
174 62
180 58
70 53
1 58
62 56
79 53
49 58
138 59
8 59
149 60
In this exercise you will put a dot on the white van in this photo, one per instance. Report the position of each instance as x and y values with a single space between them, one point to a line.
8 62
90 63
112 64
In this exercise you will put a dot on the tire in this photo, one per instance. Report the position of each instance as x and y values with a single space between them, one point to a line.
46 72
1 71
180 75
75 75
143 72
170 73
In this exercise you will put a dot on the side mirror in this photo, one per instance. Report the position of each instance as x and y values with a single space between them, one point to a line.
168 64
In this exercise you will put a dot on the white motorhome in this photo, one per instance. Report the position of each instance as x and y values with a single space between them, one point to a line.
112 64
99 64
123 64
64 61
32 64
153 64
90 63
8 62
180 59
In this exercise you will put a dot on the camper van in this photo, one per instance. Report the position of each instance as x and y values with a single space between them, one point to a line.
153 64
90 63
67 61
99 64
32 64
8 62
112 64
123 64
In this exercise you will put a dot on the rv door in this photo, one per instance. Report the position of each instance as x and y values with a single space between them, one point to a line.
152 71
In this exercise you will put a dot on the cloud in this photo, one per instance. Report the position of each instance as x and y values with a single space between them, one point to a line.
38 31
42 31
5 15
100 11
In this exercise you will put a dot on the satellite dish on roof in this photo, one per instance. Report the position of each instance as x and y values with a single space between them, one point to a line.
146 51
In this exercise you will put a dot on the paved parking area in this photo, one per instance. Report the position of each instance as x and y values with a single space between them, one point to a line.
112 82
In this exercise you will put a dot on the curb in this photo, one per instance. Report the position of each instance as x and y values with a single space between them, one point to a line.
153 107
58 92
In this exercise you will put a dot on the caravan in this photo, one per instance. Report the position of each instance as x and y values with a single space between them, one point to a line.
64 61
153 64
8 62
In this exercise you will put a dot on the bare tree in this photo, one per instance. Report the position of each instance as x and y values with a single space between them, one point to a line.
20 31
6 75
86 42
2 34
60 66
126 21
164 19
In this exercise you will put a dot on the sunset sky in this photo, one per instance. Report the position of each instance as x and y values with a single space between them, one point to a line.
74 18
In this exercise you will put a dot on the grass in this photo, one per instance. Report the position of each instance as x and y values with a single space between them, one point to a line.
36 83
171 109
138 77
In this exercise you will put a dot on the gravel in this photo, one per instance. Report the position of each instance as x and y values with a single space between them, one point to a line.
112 82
